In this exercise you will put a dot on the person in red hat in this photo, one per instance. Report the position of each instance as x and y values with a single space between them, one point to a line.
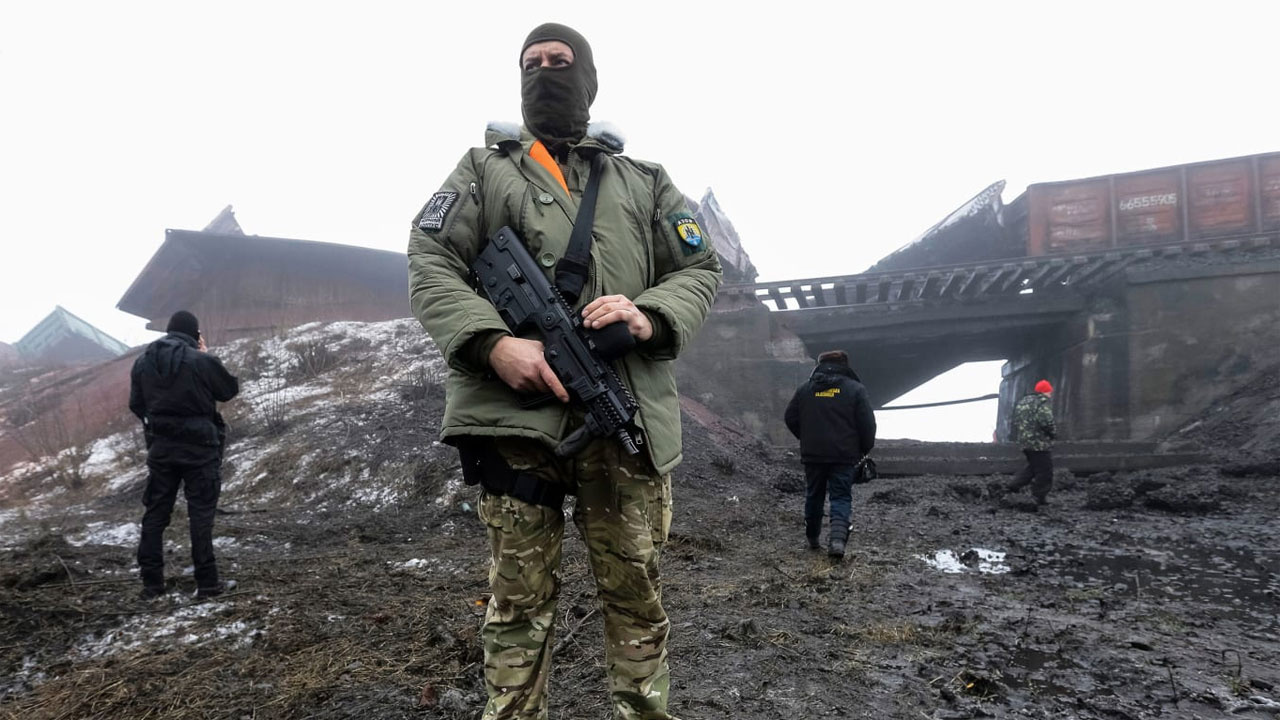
1034 429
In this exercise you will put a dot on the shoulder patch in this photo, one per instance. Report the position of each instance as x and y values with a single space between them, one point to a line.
689 233
436 210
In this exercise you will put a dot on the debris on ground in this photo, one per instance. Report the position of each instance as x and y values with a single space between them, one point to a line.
362 573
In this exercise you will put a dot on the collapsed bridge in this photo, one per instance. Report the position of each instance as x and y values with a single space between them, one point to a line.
1141 311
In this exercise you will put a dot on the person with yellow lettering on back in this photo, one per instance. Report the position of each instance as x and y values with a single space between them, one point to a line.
831 415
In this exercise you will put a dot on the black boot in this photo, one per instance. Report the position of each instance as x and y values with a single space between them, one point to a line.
813 542
216 590
836 548
151 592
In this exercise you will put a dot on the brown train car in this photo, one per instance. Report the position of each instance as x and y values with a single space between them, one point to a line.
1220 198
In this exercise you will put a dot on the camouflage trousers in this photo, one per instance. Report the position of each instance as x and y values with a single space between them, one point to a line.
623 512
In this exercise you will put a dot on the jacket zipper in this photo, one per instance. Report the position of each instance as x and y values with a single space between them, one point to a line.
591 276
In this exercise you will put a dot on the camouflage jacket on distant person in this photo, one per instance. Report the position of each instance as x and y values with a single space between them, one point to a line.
1033 422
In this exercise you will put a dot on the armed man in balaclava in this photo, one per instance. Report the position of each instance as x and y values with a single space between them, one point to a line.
643 265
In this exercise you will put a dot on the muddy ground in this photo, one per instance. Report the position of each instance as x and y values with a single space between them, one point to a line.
1144 595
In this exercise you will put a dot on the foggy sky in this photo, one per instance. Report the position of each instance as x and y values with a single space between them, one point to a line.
831 133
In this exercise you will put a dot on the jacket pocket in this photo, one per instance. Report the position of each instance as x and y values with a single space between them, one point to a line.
660 511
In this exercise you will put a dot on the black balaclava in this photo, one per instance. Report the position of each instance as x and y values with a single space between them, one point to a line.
556 102
185 323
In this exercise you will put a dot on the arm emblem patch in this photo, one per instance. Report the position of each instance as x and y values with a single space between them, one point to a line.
689 233
436 210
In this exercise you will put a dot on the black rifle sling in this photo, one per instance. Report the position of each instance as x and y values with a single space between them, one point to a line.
571 271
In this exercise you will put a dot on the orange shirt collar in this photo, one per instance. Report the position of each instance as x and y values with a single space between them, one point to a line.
540 155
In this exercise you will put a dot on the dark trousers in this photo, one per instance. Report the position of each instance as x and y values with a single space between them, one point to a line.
1039 469
823 479
202 485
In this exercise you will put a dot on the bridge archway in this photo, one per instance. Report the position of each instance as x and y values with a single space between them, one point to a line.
1136 340
965 422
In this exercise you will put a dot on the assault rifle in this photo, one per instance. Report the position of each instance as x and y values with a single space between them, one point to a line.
579 357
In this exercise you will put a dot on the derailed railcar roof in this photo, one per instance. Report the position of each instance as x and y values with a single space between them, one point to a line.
972 232
62 336
180 269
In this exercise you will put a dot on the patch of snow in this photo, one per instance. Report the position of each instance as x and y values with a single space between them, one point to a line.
428 565
224 542
105 453
270 394
23 679
18 471
244 457
185 624
6 516
125 479
989 562
104 533
44 498
378 497
221 632
452 487
383 396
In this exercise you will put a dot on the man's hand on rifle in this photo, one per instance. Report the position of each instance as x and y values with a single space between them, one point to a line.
520 364
610 309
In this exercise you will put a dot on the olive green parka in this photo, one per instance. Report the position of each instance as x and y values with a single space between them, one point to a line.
637 251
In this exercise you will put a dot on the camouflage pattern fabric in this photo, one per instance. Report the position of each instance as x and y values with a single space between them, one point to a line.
1033 422
623 511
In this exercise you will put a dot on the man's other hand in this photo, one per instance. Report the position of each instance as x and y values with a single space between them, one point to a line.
520 364
610 309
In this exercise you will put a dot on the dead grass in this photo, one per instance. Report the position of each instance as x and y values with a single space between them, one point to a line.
889 634
334 626
310 359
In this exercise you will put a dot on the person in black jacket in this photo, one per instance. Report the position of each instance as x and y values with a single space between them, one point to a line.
174 388
832 417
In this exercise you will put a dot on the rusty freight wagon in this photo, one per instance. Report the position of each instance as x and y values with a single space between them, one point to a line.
1197 201
1182 203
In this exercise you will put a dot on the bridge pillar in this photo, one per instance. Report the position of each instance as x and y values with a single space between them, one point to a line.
1152 351
1198 335
1086 359
744 366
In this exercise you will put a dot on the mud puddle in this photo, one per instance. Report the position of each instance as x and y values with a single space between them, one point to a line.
980 560
1235 582
1041 672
